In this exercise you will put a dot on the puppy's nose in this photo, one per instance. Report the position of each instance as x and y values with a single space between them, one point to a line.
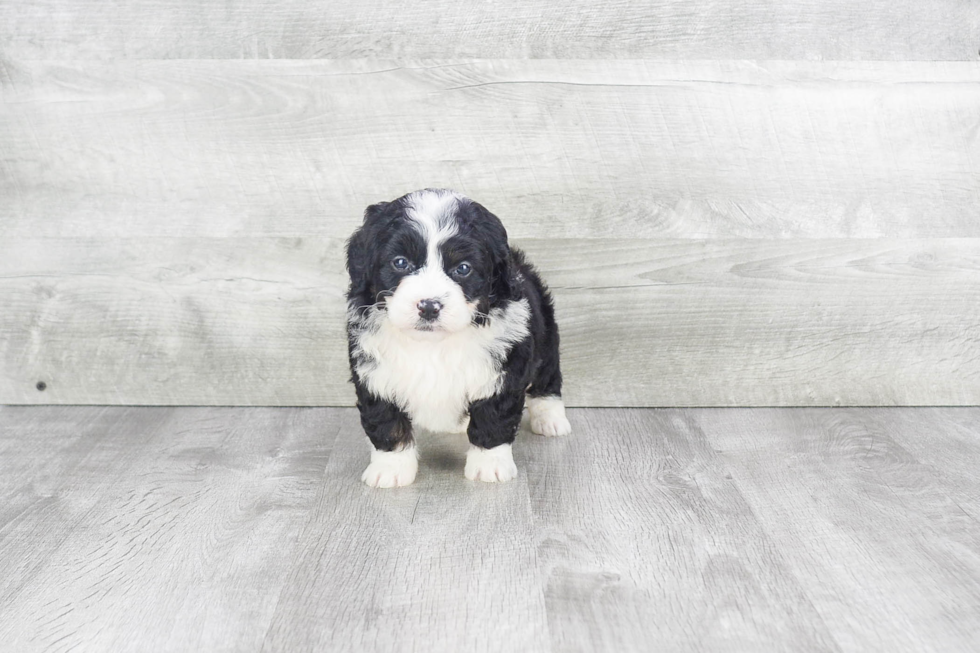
429 309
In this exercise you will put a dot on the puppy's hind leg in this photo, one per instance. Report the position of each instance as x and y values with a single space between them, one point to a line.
544 401
548 416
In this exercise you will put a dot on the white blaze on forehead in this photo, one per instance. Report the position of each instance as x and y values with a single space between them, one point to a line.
433 213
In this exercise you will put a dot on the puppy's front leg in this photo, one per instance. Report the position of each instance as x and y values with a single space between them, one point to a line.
394 460
493 426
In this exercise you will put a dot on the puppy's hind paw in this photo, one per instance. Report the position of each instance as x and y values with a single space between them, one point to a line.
391 468
494 465
548 416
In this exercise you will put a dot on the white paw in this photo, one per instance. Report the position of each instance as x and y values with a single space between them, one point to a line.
548 416
490 465
392 468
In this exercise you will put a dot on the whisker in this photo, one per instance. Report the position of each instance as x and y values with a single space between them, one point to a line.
481 314
379 301
368 307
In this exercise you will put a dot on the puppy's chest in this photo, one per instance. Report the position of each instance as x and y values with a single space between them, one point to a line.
433 381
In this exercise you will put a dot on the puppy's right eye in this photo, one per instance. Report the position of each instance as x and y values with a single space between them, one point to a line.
400 263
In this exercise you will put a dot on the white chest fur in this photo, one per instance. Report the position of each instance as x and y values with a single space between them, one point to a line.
435 380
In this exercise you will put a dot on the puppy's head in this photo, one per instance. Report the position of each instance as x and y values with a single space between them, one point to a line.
432 262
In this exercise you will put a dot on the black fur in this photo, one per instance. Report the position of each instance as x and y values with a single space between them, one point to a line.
500 274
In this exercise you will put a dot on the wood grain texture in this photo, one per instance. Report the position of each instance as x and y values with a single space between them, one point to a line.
151 528
217 529
39 451
643 538
889 555
577 149
175 321
953 458
697 29
805 233
445 564
678 322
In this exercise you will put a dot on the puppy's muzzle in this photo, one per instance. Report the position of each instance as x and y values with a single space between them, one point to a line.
429 309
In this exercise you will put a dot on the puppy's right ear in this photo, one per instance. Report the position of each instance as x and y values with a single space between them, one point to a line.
360 257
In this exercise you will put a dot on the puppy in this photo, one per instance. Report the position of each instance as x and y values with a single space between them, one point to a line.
449 329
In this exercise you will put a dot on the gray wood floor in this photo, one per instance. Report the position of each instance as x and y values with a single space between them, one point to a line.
246 529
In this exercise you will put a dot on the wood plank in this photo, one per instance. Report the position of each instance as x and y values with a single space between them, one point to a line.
174 321
58 463
576 149
877 539
756 323
953 456
444 564
260 321
643 539
186 540
240 529
697 29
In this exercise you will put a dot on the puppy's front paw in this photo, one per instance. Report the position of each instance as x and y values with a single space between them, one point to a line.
391 468
490 465
548 416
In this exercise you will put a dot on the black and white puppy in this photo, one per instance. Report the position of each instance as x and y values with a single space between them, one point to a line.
449 328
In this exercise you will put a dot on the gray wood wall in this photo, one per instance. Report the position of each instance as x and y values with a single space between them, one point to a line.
741 203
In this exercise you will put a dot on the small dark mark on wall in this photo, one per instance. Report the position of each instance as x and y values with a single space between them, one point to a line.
41 386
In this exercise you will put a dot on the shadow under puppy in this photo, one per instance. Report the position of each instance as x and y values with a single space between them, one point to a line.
449 329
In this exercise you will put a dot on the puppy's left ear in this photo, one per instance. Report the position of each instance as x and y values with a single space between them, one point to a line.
360 257
357 268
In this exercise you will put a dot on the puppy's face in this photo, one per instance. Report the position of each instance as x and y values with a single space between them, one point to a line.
433 262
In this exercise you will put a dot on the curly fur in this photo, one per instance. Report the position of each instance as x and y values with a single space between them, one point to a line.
493 341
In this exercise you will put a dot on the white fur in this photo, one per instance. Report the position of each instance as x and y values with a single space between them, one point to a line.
392 468
429 283
490 465
434 380
430 212
548 416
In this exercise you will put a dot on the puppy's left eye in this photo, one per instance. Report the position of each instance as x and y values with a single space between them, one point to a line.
462 270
